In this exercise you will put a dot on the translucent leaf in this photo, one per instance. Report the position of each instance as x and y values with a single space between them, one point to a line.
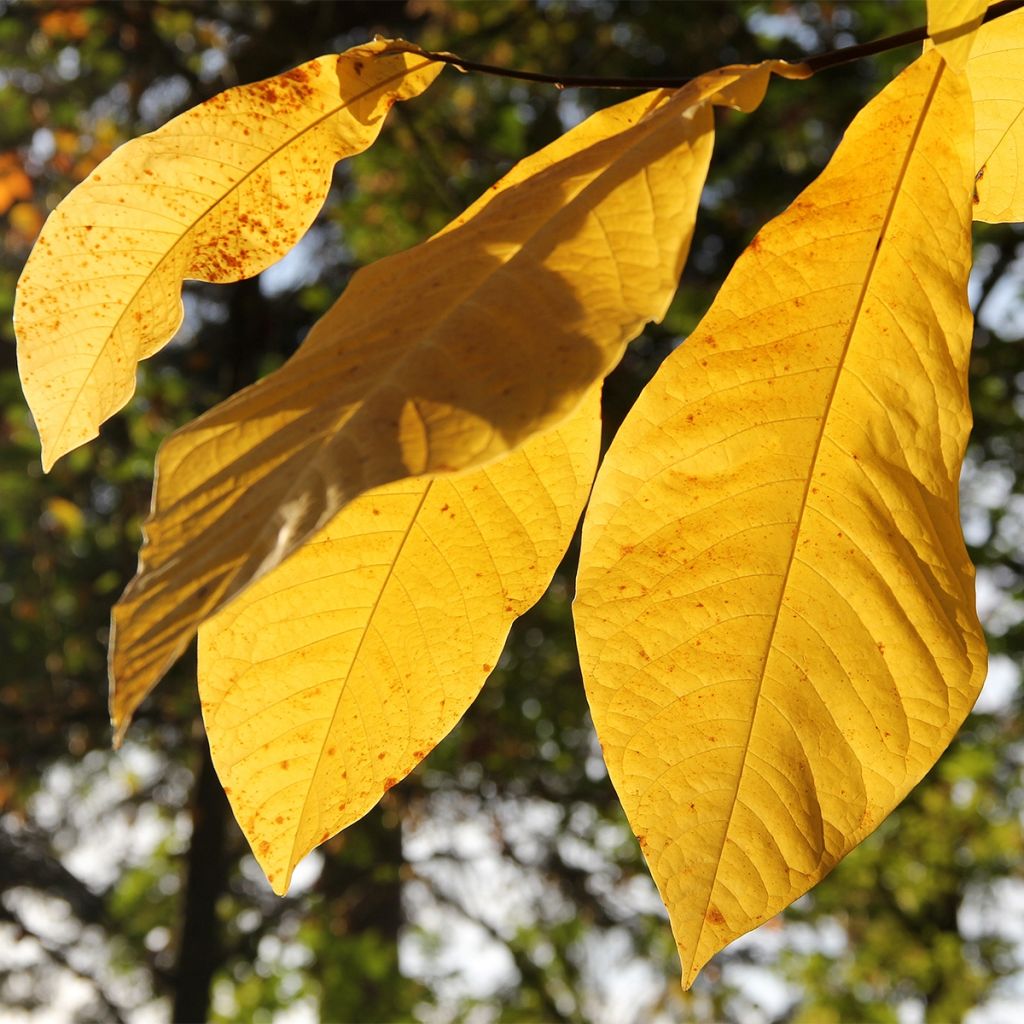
775 609
953 27
996 75
331 678
437 359
217 194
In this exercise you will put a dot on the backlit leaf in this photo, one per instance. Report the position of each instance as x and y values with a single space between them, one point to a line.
996 75
217 194
330 679
437 359
775 610
953 27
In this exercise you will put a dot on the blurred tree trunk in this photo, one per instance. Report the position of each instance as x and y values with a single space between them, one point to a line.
361 888
200 950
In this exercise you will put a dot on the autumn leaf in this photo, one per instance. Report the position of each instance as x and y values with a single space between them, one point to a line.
953 27
438 359
15 184
217 194
996 75
775 610
330 679
65 24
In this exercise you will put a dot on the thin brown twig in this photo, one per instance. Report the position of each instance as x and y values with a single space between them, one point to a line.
815 63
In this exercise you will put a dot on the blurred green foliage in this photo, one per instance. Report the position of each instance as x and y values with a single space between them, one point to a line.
500 881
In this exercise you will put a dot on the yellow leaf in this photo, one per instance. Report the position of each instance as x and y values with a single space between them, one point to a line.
953 27
330 679
217 194
435 360
996 74
775 610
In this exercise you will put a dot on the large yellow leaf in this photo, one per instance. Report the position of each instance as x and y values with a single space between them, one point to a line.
953 27
996 75
775 610
331 678
217 194
437 359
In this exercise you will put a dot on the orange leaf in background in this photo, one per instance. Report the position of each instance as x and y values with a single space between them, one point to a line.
67 24
15 184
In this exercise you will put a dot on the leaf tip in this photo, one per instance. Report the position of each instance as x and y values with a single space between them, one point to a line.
119 729
692 966
277 870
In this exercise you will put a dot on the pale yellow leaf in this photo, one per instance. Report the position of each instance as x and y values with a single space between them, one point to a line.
330 679
775 609
953 27
996 74
217 194
437 359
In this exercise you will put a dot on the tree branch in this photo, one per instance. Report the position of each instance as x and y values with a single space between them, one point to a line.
200 949
815 63
529 972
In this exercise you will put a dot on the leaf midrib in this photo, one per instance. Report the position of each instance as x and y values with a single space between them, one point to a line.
872 264
385 583
384 381
129 304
